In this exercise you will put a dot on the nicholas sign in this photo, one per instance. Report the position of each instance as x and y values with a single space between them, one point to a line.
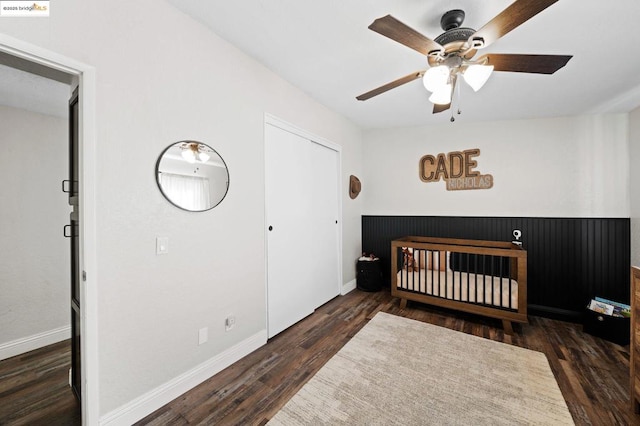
456 169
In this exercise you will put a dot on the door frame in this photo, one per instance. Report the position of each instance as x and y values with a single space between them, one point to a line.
87 207
270 119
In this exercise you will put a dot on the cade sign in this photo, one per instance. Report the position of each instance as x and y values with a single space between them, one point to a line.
456 168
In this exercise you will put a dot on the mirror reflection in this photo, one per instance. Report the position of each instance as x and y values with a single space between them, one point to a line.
192 176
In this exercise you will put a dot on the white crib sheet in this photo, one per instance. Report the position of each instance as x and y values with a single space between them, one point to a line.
453 285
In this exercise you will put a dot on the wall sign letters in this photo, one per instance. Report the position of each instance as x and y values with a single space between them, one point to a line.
456 169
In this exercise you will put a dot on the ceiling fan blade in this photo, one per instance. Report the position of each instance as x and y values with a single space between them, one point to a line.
389 86
390 27
513 16
439 108
538 64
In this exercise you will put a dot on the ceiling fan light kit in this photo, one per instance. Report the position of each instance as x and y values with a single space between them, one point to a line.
193 151
436 77
450 55
477 75
442 95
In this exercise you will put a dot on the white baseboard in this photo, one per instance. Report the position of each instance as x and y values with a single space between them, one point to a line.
36 341
146 404
350 286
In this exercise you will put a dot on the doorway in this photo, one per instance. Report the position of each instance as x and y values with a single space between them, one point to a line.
33 59
34 272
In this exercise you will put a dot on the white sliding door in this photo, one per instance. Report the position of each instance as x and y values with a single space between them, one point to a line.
287 156
301 179
324 205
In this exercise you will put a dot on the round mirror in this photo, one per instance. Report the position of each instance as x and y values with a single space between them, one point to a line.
192 176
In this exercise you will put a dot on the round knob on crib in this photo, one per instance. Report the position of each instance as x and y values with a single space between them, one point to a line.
270 228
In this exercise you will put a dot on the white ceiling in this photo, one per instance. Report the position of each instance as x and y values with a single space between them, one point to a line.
325 49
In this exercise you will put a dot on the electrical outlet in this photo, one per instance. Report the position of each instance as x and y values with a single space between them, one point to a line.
203 335
229 322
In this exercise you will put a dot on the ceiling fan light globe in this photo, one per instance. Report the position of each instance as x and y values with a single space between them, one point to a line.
442 96
436 78
477 75
203 157
189 156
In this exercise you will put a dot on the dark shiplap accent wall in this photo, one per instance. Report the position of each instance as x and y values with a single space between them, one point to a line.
570 260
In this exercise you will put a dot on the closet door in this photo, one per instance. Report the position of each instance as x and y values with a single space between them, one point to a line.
324 248
301 180
287 181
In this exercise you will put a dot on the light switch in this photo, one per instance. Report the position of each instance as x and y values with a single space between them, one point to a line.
162 245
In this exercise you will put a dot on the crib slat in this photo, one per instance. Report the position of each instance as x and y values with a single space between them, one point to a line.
446 284
501 300
475 296
433 282
493 289
484 281
510 299
467 280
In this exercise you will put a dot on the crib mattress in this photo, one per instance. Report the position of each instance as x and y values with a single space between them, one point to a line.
461 286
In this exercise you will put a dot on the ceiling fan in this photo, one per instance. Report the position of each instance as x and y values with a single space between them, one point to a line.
451 54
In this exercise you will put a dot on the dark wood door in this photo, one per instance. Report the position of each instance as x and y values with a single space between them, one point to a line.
72 233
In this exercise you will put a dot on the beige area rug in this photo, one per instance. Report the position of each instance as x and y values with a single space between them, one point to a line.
397 371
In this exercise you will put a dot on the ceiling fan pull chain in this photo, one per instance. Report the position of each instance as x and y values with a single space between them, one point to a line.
457 89
459 100
452 118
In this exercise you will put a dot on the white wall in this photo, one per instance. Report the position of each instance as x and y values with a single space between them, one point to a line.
560 167
35 260
162 77
634 184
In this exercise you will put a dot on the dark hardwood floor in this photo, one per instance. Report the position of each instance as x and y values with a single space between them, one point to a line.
592 373
34 388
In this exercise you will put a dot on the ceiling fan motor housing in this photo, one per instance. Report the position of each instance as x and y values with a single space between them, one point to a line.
455 37
452 19
451 23
456 34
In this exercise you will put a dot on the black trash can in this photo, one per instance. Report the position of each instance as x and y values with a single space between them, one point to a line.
369 275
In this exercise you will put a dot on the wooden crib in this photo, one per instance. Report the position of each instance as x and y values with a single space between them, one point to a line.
481 277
